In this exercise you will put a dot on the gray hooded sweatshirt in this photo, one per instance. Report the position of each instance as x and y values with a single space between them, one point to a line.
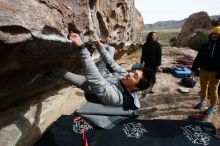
106 84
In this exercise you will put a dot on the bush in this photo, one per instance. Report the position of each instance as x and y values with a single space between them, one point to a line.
134 49
198 40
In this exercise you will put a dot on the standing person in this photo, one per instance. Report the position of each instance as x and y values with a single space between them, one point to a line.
151 52
112 84
208 61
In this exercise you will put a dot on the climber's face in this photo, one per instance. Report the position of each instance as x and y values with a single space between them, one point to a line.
132 79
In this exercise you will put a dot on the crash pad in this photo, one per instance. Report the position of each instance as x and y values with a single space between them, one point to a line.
130 132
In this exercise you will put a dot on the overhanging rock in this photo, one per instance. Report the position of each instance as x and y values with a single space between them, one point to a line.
33 39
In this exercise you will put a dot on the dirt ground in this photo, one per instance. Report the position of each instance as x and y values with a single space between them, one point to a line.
166 102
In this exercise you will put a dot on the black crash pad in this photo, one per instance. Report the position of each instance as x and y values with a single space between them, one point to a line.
131 132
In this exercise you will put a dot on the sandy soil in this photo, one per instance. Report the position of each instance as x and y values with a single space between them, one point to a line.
166 102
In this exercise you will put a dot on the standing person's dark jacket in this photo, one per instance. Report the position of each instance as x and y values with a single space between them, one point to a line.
208 57
151 55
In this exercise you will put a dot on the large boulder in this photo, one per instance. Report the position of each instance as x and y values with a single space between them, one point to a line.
33 39
197 23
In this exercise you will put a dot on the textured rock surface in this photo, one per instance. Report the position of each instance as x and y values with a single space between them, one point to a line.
197 22
33 38
22 125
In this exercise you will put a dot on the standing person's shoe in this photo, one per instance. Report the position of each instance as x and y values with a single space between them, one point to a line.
199 105
209 111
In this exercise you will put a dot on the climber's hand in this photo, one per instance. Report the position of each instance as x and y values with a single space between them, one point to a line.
75 38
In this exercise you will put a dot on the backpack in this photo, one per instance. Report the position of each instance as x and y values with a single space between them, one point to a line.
180 72
188 81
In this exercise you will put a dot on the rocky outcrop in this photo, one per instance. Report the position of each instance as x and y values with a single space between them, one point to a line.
196 23
22 125
33 39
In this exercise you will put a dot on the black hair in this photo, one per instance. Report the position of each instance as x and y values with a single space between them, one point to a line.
149 36
149 78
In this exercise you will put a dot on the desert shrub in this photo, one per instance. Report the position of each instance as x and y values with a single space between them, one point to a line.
164 37
173 41
197 41
135 48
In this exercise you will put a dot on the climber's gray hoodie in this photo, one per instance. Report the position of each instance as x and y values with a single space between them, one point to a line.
106 84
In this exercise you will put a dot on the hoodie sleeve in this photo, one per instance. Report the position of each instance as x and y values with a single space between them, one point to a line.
110 62
159 55
197 60
142 54
96 81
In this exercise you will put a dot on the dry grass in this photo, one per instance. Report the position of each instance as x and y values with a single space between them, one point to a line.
127 60
164 35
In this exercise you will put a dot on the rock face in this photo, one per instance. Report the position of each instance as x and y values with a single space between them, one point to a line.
33 39
22 125
196 23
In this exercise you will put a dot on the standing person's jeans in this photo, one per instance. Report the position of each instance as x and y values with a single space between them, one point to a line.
209 83
154 68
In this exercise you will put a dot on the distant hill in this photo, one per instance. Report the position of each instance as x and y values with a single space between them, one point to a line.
215 17
165 24
170 24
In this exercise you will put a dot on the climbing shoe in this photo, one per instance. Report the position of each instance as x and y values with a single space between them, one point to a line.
199 105
209 111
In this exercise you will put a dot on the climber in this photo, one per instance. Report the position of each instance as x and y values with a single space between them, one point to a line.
112 84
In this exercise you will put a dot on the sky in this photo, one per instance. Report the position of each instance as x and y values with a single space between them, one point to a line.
163 10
